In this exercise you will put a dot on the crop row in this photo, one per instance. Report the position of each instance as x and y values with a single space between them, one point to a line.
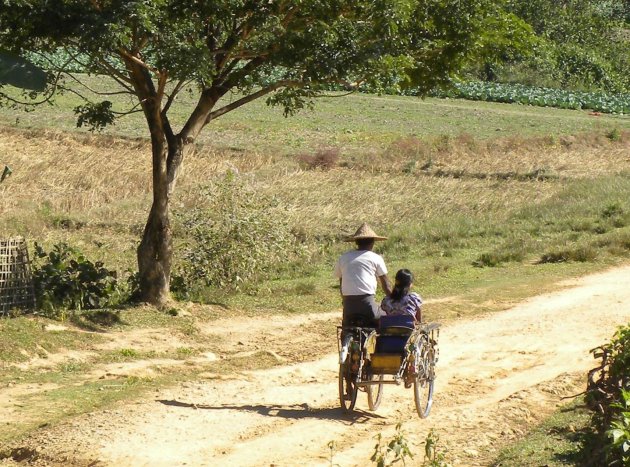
543 97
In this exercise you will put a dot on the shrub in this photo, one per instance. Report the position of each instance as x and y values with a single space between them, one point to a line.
511 251
614 135
618 434
396 450
64 279
608 395
580 254
324 159
235 237
496 258
612 210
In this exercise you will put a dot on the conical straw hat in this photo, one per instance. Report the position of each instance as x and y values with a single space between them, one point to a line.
365 231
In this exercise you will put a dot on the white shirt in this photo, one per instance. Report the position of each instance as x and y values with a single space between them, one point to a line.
358 270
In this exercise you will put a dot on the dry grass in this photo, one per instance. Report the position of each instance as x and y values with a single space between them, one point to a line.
105 180
581 155
336 201
94 191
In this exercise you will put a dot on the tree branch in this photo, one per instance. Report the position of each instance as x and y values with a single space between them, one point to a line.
47 98
118 75
231 80
127 91
162 79
133 110
171 97
135 59
246 99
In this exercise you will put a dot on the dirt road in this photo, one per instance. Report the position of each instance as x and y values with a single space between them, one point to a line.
498 375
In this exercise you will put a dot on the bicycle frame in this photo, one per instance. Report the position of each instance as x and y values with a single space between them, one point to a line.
420 338
359 368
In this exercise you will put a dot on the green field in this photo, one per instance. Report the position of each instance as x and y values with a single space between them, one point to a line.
356 122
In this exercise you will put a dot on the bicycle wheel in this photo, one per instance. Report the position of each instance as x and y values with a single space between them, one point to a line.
375 392
347 388
423 382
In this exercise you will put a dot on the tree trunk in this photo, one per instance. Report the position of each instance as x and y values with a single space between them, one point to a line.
155 251
154 256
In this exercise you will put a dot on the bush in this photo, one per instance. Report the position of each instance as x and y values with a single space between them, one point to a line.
512 251
235 237
65 280
618 435
497 258
580 254
608 395
324 159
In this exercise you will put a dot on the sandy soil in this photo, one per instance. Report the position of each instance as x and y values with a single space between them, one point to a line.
498 375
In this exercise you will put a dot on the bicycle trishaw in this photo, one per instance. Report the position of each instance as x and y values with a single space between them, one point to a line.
398 351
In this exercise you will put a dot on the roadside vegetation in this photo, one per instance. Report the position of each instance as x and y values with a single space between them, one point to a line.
608 395
592 430
457 208
565 438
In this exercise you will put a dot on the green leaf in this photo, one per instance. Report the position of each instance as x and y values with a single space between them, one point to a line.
615 434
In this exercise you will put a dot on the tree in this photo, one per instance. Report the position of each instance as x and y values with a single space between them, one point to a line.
583 43
287 50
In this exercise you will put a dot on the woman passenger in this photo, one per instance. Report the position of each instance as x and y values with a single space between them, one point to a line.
402 301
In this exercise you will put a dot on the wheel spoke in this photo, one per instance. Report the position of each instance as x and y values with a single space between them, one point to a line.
347 388
375 392
423 383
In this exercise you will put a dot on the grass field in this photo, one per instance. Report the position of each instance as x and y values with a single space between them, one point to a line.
457 186
357 123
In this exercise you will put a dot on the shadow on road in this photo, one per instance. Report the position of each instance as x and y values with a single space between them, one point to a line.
293 412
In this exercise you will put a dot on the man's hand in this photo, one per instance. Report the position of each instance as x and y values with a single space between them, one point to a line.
387 288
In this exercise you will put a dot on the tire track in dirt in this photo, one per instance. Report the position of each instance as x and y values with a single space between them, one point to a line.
498 376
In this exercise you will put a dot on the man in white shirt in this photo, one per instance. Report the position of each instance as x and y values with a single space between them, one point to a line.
359 272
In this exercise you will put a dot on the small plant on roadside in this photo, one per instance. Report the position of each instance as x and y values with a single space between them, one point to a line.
432 455
619 432
396 450
185 352
128 353
65 279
